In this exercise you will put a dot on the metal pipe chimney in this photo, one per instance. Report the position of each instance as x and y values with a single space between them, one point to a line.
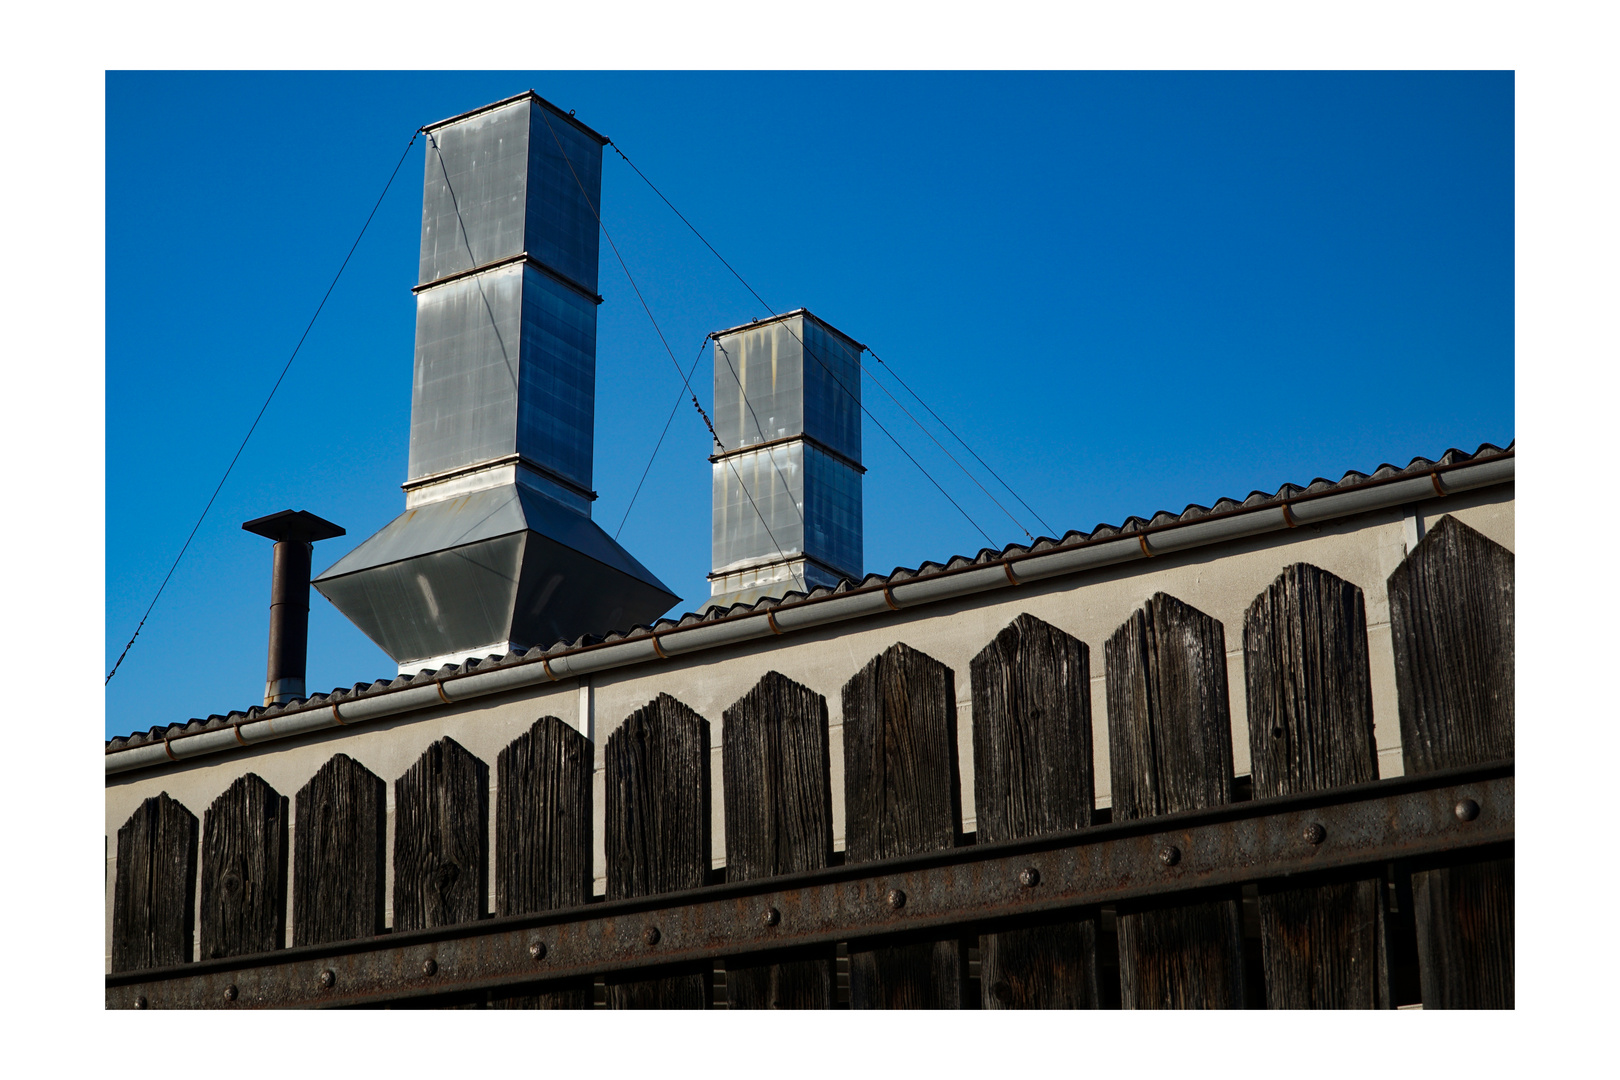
295 533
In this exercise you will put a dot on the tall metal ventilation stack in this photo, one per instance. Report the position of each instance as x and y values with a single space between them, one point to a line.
496 549
787 479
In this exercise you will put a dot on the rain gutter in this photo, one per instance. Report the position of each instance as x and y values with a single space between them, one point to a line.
1005 572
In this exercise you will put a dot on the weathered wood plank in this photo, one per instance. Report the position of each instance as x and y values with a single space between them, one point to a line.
244 871
901 796
543 837
1032 775
657 836
1451 613
339 843
441 839
155 886
1311 727
778 821
1170 749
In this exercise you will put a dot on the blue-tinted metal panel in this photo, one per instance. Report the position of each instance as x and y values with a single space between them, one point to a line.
474 192
832 513
565 183
832 387
556 417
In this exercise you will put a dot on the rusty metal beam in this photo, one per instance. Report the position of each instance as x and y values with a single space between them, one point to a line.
1423 817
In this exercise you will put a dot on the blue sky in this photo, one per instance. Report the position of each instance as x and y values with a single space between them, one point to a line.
1128 292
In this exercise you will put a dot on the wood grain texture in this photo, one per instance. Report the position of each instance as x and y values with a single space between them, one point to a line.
1451 613
657 832
154 886
1170 749
339 842
441 839
778 806
901 796
244 871
543 837
1032 775
1464 918
1311 728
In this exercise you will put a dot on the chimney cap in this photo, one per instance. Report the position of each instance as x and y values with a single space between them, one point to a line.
293 525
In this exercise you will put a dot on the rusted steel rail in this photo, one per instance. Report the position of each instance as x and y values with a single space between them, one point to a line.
1420 817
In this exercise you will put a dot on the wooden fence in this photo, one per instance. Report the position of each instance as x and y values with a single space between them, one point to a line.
1314 885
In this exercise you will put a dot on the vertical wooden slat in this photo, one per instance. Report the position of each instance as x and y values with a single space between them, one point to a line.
901 797
1451 612
1170 749
657 832
1323 946
441 839
244 871
778 821
1032 775
543 837
338 852
154 886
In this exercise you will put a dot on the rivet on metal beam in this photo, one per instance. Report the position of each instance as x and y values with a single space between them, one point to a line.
430 967
1467 810
1170 855
1314 833
537 951
897 899
140 1002
230 992
328 979
1029 877
772 916
651 936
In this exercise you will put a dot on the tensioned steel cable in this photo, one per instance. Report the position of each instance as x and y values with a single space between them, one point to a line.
685 380
254 426
672 411
869 374
965 446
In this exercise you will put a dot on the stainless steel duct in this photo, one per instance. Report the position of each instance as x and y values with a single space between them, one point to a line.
496 549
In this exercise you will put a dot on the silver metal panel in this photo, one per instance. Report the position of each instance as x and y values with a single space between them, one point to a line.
759 384
464 394
783 501
474 192
502 564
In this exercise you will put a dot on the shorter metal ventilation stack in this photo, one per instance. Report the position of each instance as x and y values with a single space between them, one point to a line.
787 475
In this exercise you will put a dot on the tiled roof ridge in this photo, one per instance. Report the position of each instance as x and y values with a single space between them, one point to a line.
1130 526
